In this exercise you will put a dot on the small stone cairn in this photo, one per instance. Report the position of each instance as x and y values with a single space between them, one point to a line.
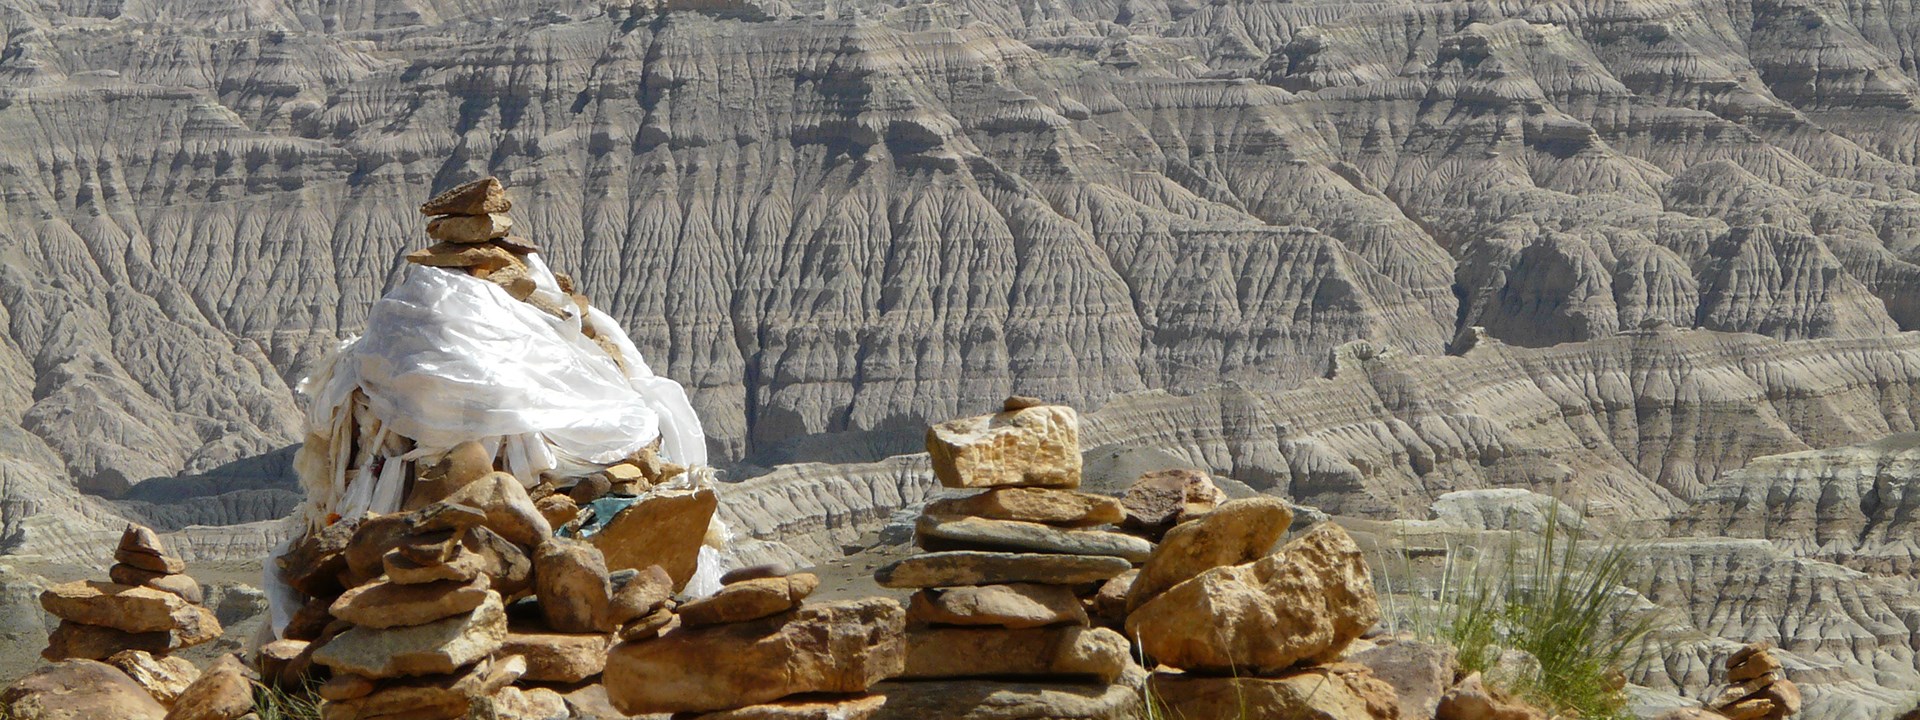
1755 690
754 649
1010 571
150 605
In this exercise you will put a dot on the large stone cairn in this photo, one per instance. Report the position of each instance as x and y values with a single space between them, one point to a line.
1004 588
1755 690
150 605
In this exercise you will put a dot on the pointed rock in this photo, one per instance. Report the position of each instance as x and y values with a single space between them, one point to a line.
478 197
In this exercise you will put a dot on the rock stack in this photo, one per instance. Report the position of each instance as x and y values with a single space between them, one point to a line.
150 605
1755 690
749 649
1002 592
1241 632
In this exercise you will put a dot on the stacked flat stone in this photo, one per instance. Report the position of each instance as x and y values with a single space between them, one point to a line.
149 605
749 649
1002 592
1755 690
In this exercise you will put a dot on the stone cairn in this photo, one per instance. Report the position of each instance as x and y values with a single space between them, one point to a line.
1003 590
1755 690
150 606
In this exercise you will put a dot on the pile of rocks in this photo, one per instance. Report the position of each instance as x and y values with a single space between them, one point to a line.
149 605
1755 690
1004 588
1243 632
748 650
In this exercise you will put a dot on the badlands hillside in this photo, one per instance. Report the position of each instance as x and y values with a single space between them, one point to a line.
1361 255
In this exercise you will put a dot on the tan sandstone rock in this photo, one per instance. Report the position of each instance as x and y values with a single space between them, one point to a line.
1021 605
478 197
384 604
434 648
484 257
134 609
946 532
973 567
163 677
665 528
223 692
570 578
1065 652
510 512
1305 602
1034 447
854 708
1327 692
1041 505
558 657
92 642
841 647
1159 500
749 600
1471 699
78 690
469 229
642 594
1240 531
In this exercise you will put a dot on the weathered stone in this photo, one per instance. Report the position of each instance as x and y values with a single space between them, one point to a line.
313 565
1159 500
1240 531
186 587
1011 606
509 511
1785 694
648 627
1751 662
570 578
755 572
1004 699
1057 652
970 567
141 548
1041 505
285 662
520 245
1419 672
78 690
1016 403
1110 601
937 533
1471 699
468 229
459 467
503 562
479 197
344 686
557 509
665 528
163 677
442 695
401 570
559 657
1330 692
128 608
434 648
640 595
749 600
590 488
835 647
484 257
530 703
385 604
1032 447
1305 602
223 692
854 708
72 640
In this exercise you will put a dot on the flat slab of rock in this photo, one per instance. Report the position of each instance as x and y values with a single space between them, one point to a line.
841 647
1023 605
749 600
1060 652
384 604
448 696
479 197
1239 531
78 690
1004 700
1032 447
936 532
186 587
462 255
434 648
128 608
855 708
1347 692
973 567
665 528
558 657
1305 602
1041 505
469 229
72 640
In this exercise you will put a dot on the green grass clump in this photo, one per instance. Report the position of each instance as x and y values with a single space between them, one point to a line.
1557 599
274 703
